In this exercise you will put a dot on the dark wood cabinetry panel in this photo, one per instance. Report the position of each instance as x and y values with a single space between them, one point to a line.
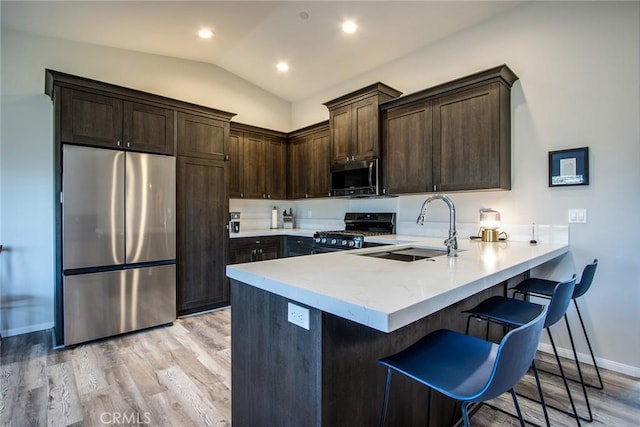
258 163
254 166
355 123
90 119
299 155
148 128
203 137
236 177
250 249
276 169
467 150
342 148
407 150
309 160
297 246
318 185
202 214
459 133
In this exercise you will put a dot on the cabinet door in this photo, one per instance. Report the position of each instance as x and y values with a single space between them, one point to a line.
298 246
299 155
341 134
242 250
148 128
408 149
318 165
268 248
202 236
90 119
236 161
254 150
365 128
276 169
203 137
467 140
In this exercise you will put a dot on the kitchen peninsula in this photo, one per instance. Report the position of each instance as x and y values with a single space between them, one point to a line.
360 308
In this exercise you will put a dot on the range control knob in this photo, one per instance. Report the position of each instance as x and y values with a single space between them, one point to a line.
324 240
344 243
317 240
334 241
352 243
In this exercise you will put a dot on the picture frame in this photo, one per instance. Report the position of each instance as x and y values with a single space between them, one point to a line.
569 167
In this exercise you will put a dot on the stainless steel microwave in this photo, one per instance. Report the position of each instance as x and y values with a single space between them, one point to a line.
356 178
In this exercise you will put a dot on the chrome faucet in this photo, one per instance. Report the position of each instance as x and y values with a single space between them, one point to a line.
452 242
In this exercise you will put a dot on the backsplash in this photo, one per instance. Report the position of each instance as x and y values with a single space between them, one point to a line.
328 214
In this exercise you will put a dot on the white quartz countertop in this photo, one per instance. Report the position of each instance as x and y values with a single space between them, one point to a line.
387 294
302 232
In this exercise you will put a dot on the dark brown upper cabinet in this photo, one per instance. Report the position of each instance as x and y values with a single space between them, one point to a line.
452 137
92 119
90 112
203 137
309 162
257 160
355 124
408 144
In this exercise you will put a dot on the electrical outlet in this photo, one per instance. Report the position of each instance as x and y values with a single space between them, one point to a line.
577 216
298 315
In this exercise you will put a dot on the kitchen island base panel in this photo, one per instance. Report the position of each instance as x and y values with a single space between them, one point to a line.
328 375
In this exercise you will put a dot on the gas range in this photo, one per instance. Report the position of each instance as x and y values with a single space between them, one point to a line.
358 226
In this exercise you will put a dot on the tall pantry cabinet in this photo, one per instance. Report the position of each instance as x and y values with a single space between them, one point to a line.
203 209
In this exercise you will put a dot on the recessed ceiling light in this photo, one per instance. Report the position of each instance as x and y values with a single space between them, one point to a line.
349 27
205 33
283 67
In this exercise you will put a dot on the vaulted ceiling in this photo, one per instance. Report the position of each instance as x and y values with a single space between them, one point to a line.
251 37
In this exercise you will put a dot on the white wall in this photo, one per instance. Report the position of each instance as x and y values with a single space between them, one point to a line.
579 71
26 150
578 65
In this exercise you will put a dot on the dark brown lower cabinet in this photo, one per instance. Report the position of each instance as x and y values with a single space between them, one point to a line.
250 249
202 235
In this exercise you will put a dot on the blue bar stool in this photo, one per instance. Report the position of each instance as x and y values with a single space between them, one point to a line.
543 288
466 368
513 313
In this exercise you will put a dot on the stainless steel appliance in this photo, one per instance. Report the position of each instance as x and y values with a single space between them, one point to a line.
355 179
358 226
118 242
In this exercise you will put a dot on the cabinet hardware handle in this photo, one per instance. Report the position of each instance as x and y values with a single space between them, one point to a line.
434 188
226 157
128 144
263 196
118 143
241 194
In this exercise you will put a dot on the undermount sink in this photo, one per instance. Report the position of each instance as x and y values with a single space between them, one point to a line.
407 254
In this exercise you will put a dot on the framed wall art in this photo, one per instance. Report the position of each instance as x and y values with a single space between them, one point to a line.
569 167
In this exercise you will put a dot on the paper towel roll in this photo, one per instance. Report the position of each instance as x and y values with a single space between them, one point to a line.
274 217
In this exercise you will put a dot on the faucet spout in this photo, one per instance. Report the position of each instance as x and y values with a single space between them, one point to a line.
452 241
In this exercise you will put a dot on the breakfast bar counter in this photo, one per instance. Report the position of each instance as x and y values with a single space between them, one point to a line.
307 331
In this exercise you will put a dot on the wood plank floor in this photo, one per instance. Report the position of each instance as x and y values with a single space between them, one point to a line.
180 375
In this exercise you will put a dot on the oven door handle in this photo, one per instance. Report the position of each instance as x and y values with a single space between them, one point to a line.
371 175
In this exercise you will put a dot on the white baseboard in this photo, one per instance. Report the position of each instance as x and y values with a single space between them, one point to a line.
27 329
632 371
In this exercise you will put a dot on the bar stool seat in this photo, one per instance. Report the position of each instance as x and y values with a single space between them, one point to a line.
513 313
466 368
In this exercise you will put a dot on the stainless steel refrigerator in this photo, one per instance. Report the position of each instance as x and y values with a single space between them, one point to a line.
118 242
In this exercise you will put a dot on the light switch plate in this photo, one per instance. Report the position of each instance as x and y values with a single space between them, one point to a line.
577 216
298 315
